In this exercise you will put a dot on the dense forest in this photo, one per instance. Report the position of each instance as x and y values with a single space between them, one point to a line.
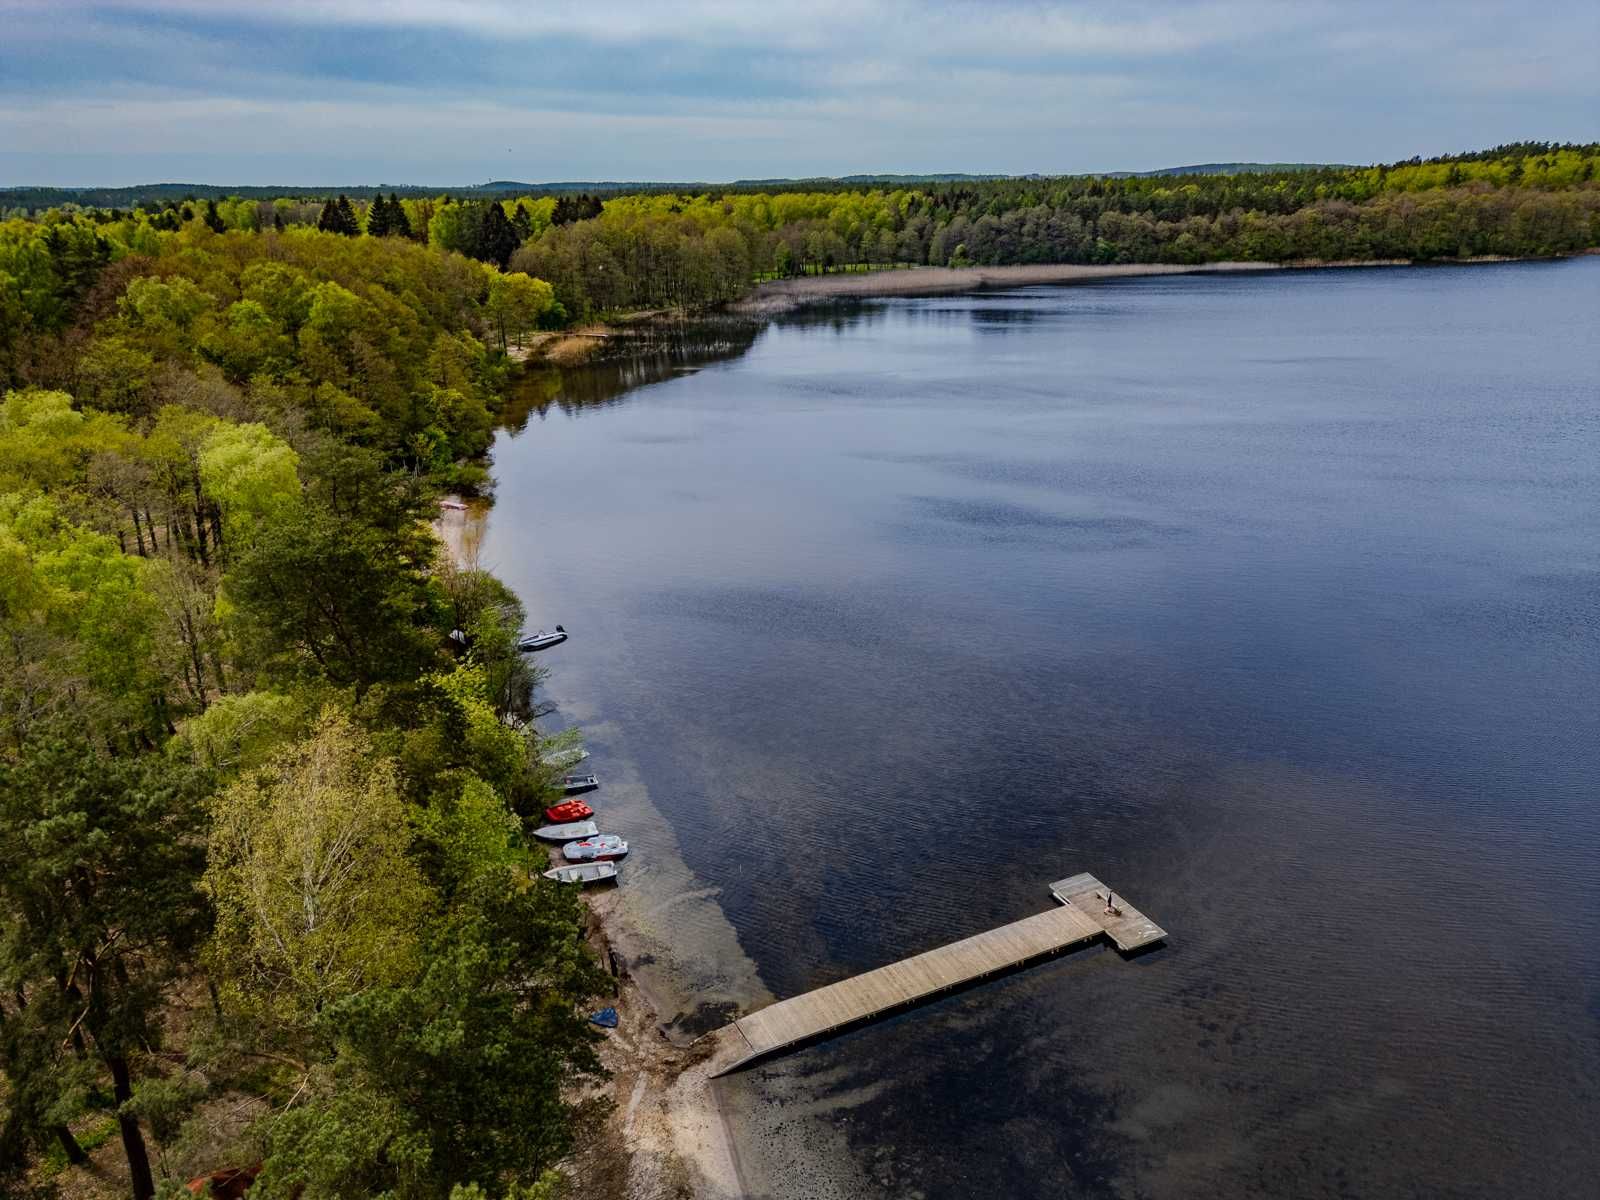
267 753
649 251
265 750
655 249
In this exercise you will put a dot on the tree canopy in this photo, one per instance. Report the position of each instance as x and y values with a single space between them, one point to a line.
262 820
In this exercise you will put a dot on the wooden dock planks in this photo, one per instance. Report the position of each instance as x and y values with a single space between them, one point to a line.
1080 918
1129 928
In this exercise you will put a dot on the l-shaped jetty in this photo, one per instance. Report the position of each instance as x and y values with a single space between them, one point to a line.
1088 910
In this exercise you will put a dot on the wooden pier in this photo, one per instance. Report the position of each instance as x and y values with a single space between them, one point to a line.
1083 916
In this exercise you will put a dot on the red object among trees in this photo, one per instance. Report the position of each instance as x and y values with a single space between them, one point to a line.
231 1183
568 810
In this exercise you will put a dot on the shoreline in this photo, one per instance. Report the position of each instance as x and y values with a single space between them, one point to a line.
671 1133
778 296
668 1135
613 336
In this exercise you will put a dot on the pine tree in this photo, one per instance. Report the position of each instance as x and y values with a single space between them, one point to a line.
347 217
329 221
399 223
378 222
523 221
497 240
99 881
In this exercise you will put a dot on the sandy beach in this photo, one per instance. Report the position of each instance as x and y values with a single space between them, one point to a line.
779 295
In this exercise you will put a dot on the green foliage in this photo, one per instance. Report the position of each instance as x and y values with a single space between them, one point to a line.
457 1075
240 732
115 376
649 250
165 1105
464 834
251 475
47 444
47 267
388 218
499 753
517 303
222 536
340 330
316 593
314 894
339 217
87 610
99 873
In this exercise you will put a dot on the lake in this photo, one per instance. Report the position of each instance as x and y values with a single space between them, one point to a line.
1272 600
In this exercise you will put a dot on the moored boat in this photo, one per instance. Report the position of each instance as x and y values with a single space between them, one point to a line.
589 872
573 784
595 849
542 640
568 810
569 832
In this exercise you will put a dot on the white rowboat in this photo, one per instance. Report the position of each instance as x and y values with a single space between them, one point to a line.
591 872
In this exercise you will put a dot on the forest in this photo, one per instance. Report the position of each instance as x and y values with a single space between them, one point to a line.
267 753
660 249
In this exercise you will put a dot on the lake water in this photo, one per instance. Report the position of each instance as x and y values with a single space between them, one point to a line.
1273 601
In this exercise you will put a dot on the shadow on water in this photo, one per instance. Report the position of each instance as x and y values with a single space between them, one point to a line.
631 361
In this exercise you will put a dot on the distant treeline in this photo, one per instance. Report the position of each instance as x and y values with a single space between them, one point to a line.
654 248
24 201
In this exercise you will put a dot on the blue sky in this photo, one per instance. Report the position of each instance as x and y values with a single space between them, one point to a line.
449 92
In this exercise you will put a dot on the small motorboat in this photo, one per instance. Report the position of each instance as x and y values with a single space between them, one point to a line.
589 872
573 784
453 505
542 640
595 849
568 810
572 831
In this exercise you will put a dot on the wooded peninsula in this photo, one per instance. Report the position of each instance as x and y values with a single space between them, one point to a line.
269 757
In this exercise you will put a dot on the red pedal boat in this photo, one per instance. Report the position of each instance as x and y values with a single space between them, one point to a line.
568 810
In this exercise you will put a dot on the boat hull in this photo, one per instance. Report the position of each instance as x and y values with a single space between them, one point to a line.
591 872
540 641
571 810
572 831
603 848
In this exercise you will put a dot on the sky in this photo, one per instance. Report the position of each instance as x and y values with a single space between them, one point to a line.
453 92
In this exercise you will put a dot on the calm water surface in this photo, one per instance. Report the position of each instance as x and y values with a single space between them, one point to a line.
1275 602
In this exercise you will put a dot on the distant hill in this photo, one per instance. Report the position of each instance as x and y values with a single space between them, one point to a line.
508 185
1234 168
34 199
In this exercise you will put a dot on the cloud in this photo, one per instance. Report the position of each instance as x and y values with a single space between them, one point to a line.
440 91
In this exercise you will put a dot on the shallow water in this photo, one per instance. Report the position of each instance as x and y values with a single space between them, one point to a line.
1273 601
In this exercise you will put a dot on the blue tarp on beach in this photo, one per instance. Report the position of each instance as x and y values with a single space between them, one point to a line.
606 1017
